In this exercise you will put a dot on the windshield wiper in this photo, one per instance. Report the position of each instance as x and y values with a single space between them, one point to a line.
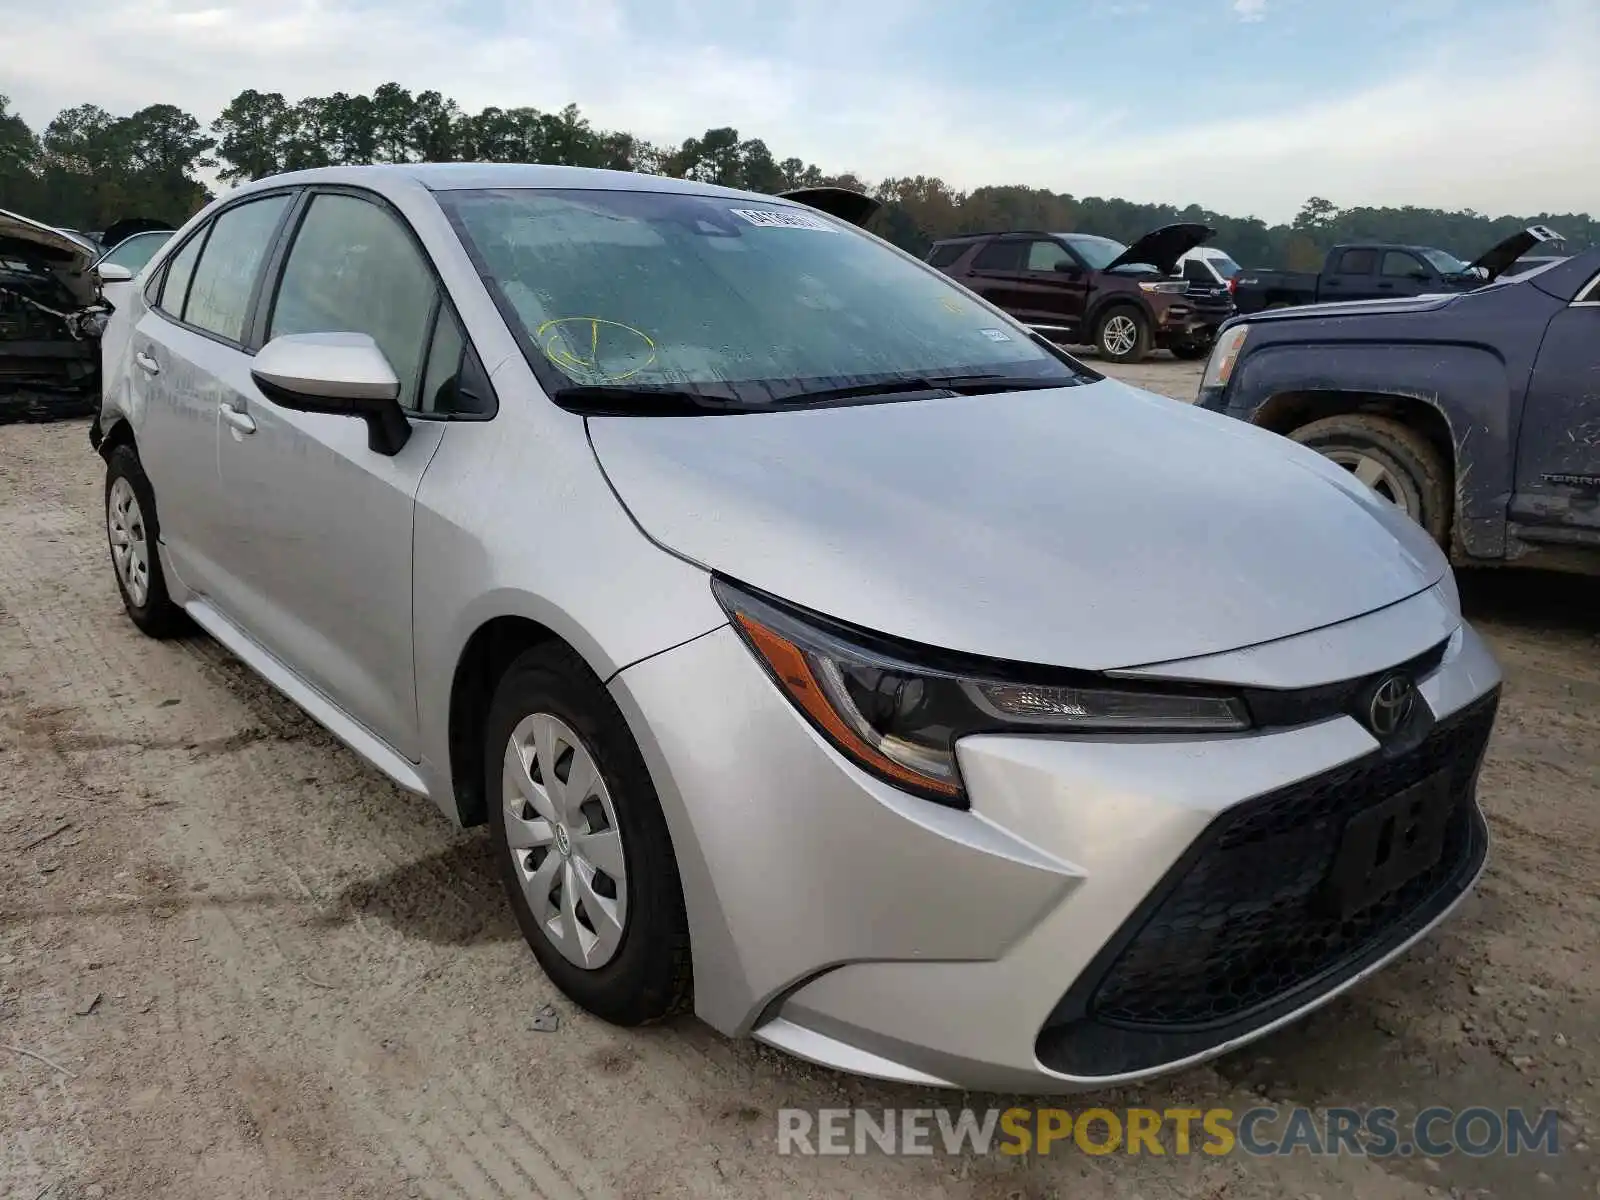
615 399
665 400
960 385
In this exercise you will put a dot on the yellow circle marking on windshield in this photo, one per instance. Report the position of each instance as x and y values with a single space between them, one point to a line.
948 303
577 344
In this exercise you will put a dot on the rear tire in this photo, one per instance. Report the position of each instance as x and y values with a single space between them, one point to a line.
133 533
603 843
1393 459
1122 334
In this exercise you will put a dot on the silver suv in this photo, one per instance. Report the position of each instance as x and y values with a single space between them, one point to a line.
824 651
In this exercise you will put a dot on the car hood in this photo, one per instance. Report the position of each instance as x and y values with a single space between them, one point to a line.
1501 255
63 256
1162 248
1097 526
1340 308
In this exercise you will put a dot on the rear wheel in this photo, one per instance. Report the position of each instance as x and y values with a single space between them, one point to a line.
1122 335
582 844
133 534
1392 459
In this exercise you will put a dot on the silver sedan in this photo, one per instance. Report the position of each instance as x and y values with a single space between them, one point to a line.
825 652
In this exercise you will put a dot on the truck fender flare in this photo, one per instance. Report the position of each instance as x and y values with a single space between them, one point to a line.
1467 387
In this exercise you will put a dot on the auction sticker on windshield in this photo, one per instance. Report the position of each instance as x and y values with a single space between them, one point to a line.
774 218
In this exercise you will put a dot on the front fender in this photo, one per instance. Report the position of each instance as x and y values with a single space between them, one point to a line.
1468 386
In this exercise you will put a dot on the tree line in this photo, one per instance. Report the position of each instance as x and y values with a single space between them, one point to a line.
89 167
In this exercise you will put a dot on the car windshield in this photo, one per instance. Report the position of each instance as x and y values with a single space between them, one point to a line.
1224 266
1098 252
1444 262
135 251
659 302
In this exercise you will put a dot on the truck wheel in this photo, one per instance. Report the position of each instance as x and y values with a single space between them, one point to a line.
1122 334
1392 459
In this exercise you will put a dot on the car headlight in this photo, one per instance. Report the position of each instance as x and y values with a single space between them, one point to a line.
897 711
1219 367
1174 288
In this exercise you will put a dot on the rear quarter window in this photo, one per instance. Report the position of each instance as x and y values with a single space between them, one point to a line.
944 256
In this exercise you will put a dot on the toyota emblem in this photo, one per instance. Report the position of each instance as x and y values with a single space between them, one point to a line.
1392 702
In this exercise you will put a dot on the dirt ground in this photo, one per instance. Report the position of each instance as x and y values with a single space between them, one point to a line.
235 962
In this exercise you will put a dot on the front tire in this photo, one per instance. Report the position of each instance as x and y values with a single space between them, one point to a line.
1122 335
581 842
1393 459
133 533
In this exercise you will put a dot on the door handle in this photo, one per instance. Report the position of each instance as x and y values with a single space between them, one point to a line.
147 364
237 419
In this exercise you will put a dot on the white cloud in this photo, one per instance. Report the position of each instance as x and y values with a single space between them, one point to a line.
1474 125
1250 10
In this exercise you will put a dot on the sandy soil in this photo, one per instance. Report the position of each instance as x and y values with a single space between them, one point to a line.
235 962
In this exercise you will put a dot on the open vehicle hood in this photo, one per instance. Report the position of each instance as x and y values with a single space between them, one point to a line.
66 258
855 207
1162 248
1096 527
1501 255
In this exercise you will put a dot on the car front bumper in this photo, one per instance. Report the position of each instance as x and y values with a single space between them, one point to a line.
1110 908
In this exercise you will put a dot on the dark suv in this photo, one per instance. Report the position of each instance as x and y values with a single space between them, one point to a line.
1081 289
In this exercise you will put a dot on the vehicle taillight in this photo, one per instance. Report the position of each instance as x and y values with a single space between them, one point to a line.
1233 287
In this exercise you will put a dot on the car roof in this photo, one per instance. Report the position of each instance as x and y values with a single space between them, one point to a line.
394 178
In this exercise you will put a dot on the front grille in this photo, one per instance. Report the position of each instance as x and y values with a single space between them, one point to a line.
1242 929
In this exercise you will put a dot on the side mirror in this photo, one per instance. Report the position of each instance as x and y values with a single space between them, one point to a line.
340 373
113 273
1066 266
1421 276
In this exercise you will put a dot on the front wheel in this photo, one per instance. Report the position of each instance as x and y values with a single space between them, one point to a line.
1122 335
1392 459
582 844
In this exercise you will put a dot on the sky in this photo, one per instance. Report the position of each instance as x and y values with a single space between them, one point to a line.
1246 107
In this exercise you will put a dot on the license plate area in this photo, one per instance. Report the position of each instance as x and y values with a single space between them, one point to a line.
1385 846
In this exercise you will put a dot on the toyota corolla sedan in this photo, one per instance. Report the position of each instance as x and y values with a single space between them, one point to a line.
826 653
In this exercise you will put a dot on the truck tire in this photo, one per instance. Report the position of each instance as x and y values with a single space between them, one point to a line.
1392 459
1122 334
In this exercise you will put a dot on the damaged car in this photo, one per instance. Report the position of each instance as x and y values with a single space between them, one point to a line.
52 314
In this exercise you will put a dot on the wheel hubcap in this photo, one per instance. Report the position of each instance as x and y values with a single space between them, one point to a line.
130 545
1376 476
562 829
1120 335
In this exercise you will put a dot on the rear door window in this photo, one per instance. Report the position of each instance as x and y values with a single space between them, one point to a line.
230 264
1358 262
1001 256
180 269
